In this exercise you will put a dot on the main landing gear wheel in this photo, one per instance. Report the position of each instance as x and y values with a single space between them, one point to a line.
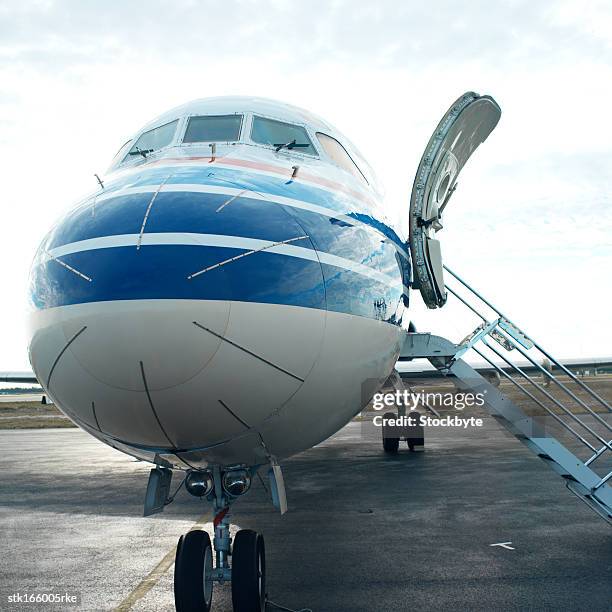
415 434
248 572
390 443
416 444
193 568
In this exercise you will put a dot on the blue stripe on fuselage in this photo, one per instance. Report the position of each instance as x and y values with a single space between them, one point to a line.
218 176
178 212
245 217
352 242
203 174
160 272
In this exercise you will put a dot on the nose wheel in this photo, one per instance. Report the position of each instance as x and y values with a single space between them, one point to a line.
194 574
248 572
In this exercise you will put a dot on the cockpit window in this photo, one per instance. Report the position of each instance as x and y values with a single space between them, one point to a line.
285 136
123 147
154 139
120 154
213 128
339 155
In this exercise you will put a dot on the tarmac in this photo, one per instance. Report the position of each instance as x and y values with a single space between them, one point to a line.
364 532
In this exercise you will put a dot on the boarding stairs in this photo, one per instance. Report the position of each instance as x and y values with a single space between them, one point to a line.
564 421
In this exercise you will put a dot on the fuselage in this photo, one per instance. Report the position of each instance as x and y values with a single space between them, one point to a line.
223 298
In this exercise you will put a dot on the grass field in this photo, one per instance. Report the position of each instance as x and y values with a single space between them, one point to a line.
31 415
34 415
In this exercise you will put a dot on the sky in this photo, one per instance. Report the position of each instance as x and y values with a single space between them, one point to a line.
530 224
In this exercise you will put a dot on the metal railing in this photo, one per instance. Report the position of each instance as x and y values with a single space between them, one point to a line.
584 419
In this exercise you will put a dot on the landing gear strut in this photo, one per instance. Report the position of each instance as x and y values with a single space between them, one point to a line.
194 574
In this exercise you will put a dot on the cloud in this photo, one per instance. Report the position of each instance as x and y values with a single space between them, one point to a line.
78 77
394 33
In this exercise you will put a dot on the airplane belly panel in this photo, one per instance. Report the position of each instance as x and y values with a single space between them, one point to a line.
293 375
268 352
356 357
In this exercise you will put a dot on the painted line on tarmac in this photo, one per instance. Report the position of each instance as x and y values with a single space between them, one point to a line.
154 576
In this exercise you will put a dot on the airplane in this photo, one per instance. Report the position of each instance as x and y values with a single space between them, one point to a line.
232 294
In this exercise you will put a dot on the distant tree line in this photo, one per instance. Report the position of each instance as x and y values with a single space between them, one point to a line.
15 390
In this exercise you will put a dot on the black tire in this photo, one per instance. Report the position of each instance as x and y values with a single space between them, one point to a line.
248 572
416 444
192 591
390 444
415 435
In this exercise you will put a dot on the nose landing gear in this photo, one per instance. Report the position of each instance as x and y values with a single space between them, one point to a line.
194 574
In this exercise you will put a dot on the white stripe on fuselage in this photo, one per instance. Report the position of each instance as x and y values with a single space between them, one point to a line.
220 240
247 193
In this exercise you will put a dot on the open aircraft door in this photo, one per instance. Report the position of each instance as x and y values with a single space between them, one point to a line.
467 123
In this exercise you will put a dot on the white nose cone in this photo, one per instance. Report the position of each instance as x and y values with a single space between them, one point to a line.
160 334
174 374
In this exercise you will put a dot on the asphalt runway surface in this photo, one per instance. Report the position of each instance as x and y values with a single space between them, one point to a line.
364 532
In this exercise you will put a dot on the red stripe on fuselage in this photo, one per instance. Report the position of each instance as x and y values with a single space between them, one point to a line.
245 163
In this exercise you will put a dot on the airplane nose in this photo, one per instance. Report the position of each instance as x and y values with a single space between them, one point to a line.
182 335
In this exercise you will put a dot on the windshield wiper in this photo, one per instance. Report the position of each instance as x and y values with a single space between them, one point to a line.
139 151
290 145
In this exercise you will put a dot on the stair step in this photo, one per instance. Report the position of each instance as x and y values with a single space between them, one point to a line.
581 416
